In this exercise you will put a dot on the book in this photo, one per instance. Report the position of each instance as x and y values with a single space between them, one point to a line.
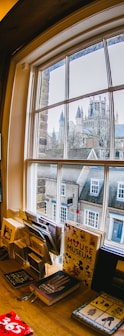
92 229
11 324
55 287
104 313
109 272
80 251
19 278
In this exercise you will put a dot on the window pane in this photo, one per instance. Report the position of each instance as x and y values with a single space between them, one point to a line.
79 130
116 188
91 218
51 85
116 54
42 188
70 199
81 205
119 124
115 210
87 71
50 133
89 128
91 202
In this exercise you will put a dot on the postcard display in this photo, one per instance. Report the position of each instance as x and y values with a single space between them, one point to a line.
31 241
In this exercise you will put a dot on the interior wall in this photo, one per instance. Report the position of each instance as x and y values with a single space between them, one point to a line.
4 68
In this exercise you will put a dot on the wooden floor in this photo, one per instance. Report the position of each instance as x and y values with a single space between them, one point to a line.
49 321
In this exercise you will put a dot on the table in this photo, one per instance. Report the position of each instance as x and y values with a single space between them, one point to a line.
54 320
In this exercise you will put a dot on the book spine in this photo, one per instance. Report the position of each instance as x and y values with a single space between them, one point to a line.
41 296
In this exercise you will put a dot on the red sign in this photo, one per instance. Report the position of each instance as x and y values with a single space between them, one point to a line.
11 324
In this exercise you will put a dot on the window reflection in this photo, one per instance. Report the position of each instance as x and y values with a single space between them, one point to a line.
87 71
116 55
50 135
89 128
51 85
119 124
115 216
43 188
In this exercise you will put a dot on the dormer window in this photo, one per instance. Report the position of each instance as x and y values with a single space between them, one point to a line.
94 187
120 191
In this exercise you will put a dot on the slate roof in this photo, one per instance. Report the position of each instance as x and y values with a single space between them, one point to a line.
79 153
116 175
70 173
94 172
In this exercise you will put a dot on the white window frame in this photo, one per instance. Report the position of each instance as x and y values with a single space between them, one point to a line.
94 187
95 218
46 204
63 189
120 191
63 214
54 212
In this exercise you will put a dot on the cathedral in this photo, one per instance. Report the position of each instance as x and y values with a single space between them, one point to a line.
87 132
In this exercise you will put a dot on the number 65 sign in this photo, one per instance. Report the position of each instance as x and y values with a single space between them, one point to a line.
12 324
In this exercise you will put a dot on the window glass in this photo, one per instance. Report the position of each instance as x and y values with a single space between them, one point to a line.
63 214
119 124
77 117
87 71
70 200
42 189
116 55
120 191
91 204
116 188
49 136
115 216
51 85
54 212
89 128
63 189
94 187
91 218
